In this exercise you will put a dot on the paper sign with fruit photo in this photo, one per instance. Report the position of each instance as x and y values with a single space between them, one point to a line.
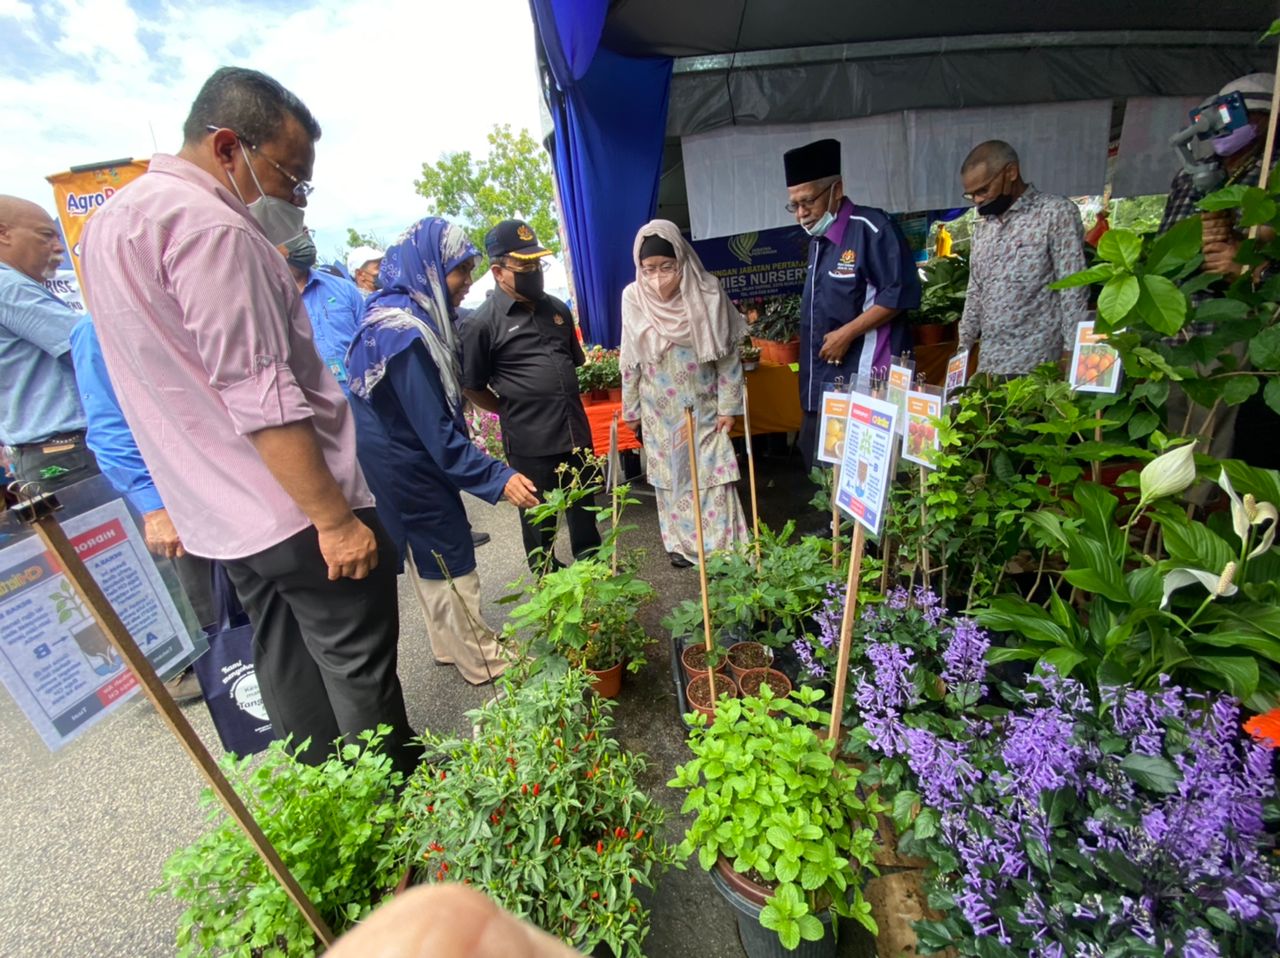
920 443
1095 366
832 426
957 374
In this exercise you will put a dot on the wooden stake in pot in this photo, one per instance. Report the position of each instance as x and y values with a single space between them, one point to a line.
691 432
846 632
38 513
835 517
615 466
751 470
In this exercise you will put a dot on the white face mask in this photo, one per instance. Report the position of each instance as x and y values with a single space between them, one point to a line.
279 219
664 285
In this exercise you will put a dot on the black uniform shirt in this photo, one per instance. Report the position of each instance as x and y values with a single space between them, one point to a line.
529 357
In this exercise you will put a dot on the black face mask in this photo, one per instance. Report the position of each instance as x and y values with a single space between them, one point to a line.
528 285
996 206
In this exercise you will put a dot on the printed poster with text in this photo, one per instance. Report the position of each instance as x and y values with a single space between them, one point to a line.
831 426
957 374
920 442
1095 366
897 385
54 658
867 467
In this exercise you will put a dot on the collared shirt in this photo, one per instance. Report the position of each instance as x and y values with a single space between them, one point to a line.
207 342
336 308
529 357
1012 260
861 261
108 434
38 396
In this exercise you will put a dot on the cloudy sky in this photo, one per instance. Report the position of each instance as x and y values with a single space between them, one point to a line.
393 84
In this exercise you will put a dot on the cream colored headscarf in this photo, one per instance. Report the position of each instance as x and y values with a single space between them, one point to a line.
699 315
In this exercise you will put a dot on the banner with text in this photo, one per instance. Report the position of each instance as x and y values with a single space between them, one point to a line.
758 265
81 191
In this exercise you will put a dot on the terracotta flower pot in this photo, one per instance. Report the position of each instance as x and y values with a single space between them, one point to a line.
933 334
607 682
750 681
698 693
744 656
615 394
784 354
694 661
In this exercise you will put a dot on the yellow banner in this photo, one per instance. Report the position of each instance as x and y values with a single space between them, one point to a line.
80 191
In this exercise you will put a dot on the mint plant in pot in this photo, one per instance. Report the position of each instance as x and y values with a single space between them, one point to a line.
779 822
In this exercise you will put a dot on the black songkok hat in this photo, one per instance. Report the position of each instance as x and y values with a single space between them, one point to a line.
813 161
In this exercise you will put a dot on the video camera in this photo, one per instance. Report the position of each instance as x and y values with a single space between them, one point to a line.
1222 114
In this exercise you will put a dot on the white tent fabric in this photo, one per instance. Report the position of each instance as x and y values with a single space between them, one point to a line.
555 281
902 161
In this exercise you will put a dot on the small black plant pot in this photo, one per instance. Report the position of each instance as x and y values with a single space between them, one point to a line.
761 942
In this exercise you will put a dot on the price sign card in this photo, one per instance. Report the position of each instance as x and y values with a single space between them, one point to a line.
832 425
867 466
55 659
1095 366
920 443
897 385
957 374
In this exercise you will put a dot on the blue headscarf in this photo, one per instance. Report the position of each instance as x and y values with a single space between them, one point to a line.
412 305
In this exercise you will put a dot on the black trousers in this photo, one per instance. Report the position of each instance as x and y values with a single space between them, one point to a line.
808 440
55 463
325 652
541 471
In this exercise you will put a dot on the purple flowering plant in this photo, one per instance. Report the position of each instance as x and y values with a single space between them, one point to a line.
1124 822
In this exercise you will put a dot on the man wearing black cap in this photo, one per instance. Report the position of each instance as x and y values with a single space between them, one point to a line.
522 345
861 277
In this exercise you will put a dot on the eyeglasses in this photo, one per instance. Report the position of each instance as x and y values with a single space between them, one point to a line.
666 269
534 267
811 202
972 197
301 188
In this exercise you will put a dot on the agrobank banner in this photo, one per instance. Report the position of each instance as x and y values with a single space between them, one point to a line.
757 265
82 189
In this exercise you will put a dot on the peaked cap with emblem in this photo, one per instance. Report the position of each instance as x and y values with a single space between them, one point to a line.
513 238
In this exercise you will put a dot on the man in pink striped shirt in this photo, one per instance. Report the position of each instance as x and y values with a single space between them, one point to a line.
246 432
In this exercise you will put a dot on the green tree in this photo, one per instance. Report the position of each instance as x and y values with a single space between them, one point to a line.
513 180
356 238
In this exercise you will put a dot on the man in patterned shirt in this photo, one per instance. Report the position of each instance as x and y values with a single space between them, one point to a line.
1022 242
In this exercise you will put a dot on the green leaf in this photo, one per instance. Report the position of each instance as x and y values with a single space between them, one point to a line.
1238 389
1272 31
1256 208
1119 296
1227 198
1152 771
1062 660
1272 395
1221 309
811 928
1143 424
1176 247
1193 544
1264 349
1121 247
1086 277
1161 305
1239 673
1009 613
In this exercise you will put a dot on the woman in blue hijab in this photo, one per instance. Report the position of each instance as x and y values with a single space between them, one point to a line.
403 369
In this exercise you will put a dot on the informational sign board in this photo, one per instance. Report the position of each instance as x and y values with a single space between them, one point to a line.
82 190
832 425
55 660
920 443
957 374
897 385
867 467
757 265
1095 366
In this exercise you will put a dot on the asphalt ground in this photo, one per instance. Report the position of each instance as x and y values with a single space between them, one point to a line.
85 833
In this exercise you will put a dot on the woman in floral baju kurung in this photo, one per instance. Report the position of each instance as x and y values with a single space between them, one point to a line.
680 336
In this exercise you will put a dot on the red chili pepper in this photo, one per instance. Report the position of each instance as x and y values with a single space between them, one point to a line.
559 743
555 842
445 866
599 848
619 833
442 776
440 875
639 834
537 787
524 789
595 895
431 809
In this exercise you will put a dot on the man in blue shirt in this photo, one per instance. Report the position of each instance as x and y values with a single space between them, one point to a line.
860 280
334 305
40 414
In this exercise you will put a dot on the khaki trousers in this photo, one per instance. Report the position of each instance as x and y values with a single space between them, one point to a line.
458 634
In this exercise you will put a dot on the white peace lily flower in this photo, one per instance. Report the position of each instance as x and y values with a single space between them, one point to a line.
1249 512
1217 585
1168 473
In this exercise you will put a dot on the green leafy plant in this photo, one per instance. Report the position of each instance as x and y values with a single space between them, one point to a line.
945 285
1206 615
331 823
542 811
770 798
779 320
600 371
587 614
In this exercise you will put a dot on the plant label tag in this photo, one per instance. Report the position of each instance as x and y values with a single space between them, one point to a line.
897 385
957 374
867 465
1095 365
920 442
835 414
